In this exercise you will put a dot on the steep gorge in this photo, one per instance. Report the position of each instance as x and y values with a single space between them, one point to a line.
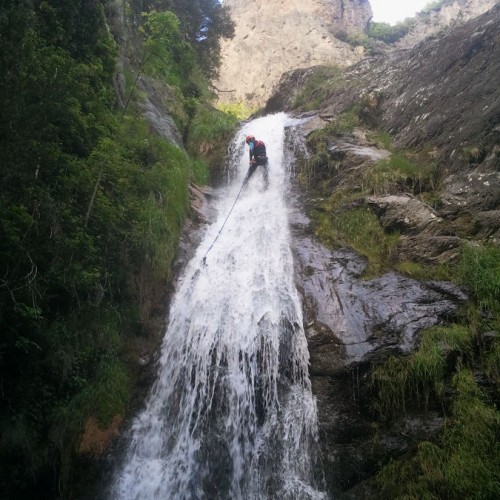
446 15
399 161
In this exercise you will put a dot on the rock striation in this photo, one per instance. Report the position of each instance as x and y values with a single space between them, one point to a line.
439 102
449 14
441 96
275 36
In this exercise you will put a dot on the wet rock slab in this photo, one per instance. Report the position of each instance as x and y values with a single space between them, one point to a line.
357 318
352 324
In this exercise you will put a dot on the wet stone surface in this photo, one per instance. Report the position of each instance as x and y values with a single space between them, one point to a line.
352 325
361 317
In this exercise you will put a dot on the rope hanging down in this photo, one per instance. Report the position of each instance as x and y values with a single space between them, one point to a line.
220 230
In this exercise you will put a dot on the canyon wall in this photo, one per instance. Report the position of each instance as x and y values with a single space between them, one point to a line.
275 36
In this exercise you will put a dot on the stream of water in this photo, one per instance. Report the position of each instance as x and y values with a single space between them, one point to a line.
231 414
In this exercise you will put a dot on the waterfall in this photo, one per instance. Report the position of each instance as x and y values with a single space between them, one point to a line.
231 414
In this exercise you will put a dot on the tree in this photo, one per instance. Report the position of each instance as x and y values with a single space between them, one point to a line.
203 23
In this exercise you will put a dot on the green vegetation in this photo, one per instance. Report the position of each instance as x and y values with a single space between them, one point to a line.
418 271
464 463
210 132
472 154
397 173
92 207
360 229
354 38
455 370
423 373
239 110
382 139
390 34
342 218
479 270
202 23
318 86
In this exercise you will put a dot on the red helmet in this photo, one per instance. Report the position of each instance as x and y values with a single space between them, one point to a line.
249 138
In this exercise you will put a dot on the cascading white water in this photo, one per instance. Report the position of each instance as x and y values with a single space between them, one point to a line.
231 415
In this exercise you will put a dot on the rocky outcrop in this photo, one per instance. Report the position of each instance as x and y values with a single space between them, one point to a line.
441 96
440 102
448 15
275 36
352 324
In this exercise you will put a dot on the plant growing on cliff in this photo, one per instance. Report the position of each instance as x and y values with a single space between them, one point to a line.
464 463
479 270
210 131
316 88
422 374
397 173
359 229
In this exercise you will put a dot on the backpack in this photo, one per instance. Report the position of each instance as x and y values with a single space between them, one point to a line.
259 149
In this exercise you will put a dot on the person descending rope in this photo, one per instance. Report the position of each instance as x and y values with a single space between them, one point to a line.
257 157
257 150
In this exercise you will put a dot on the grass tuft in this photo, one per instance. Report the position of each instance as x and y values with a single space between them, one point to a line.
396 174
464 463
479 270
318 86
361 230
422 374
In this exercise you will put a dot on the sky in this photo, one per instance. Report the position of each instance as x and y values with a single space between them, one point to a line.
393 11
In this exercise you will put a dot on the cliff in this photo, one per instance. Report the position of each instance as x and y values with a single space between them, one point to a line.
399 157
441 94
449 14
275 36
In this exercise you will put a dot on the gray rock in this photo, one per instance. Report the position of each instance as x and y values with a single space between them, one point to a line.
445 16
487 225
473 192
441 95
428 249
350 320
404 213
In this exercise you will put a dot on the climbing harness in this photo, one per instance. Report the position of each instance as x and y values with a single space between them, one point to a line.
204 260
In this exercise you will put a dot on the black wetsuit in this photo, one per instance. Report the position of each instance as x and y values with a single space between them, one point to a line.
258 157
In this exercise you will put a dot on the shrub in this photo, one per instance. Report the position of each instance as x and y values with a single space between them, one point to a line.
239 110
397 173
318 86
359 229
390 34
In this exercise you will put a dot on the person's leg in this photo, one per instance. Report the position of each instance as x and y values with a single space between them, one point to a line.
266 175
250 172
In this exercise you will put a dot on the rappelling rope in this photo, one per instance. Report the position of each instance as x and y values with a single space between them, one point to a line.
220 230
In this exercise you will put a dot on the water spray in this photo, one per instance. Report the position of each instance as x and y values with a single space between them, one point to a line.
204 260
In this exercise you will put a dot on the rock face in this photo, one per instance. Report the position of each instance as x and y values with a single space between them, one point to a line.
352 324
450 14
441 96
274 36
440 103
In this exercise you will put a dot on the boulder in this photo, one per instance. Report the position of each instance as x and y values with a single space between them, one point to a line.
404 213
